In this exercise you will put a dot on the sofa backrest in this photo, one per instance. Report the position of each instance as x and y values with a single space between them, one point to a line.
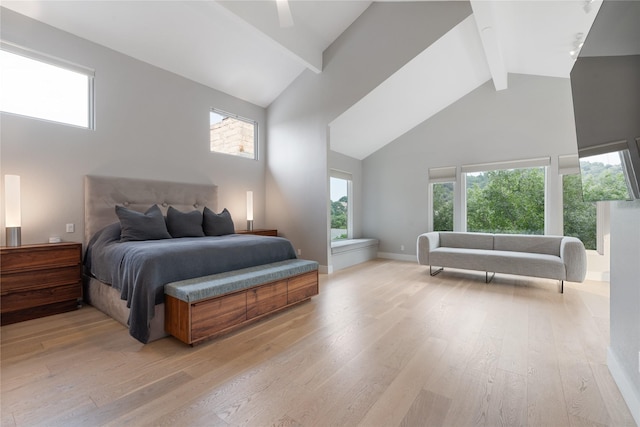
466 240
549 245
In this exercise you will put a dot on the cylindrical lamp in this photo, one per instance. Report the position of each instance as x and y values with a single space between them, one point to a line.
13 215
249 210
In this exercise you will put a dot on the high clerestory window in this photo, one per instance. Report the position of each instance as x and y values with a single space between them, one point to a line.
231 134
43 87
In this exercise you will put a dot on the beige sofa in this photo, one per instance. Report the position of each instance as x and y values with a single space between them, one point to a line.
552 257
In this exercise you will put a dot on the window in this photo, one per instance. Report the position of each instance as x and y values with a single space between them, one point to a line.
442 194
442 186
601 177
605 176
579 217
231 134
506 200
42 87
341 207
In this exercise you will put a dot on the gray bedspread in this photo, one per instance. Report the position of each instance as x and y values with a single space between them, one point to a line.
139 270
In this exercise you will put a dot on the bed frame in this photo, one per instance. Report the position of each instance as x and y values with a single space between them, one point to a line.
101 195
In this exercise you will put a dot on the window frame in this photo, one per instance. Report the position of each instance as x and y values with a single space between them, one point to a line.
441 175
63 65
256 129
570 165
346 176
539 162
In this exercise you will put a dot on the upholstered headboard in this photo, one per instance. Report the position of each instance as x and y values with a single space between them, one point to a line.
102 194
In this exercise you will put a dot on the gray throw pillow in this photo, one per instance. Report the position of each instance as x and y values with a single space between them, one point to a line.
142 226
184 224
217 224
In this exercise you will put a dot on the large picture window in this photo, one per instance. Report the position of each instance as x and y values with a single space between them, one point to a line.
39 86
230 134
506 200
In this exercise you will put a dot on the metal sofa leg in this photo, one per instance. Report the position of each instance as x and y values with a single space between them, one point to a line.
562 286
433 273
486 276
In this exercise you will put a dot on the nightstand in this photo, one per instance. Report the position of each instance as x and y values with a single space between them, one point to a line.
39 280
259 232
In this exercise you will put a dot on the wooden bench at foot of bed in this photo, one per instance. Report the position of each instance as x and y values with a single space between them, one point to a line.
205 307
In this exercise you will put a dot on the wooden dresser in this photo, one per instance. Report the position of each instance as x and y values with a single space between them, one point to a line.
39 280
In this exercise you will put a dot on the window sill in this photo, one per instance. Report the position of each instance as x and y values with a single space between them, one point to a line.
347 245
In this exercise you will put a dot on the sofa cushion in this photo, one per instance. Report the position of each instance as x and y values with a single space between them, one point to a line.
466 240
509 262
470 259
526 264
549 245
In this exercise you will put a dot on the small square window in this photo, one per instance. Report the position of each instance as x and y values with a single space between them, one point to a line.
234 135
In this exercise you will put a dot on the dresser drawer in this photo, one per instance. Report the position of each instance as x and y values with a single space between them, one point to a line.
37 297
42 257
214 315
302 287
37 279
267 298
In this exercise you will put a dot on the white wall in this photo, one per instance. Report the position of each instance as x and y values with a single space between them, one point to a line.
149 124
384 38
532 118
624 349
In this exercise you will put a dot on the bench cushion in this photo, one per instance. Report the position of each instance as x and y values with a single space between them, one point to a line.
200 288
340 246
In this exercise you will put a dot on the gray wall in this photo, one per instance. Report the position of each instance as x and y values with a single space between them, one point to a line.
149 124
532 118
384 38
625 296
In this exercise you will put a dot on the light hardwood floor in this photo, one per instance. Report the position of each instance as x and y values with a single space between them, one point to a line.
384 344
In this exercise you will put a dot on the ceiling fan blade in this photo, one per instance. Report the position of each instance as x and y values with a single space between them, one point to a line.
284 13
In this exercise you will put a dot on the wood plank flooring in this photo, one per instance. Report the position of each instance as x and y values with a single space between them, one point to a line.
384 344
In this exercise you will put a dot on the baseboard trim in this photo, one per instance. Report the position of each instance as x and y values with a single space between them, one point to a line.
626 388
325 269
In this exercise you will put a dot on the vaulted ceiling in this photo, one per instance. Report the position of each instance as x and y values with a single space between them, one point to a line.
241 48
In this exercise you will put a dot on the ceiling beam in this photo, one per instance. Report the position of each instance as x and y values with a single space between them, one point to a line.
262 17
483 12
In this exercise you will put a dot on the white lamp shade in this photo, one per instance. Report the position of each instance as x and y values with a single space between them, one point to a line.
249 205
12 200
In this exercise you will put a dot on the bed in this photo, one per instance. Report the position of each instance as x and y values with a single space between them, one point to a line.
126 280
